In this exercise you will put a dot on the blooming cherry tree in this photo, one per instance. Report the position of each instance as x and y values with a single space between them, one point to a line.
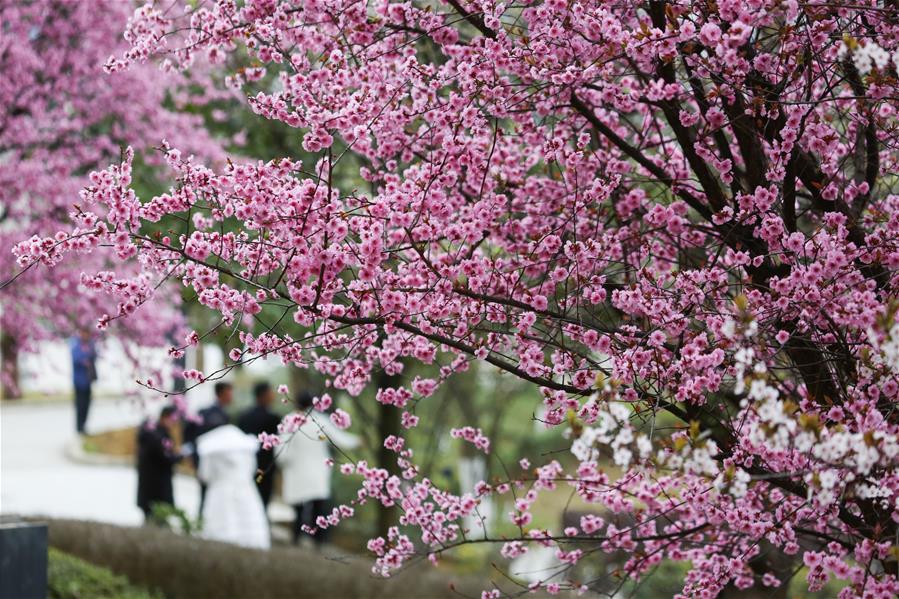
661 213
60 119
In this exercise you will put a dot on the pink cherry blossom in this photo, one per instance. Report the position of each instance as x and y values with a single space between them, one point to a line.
340 419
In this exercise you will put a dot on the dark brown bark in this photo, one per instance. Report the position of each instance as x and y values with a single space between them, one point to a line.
9 366
388 424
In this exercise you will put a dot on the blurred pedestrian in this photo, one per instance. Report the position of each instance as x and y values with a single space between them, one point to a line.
207 419
84 373
233 511
261 419
303 457
156 458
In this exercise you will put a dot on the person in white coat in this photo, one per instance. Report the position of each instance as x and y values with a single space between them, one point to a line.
233 511
303 457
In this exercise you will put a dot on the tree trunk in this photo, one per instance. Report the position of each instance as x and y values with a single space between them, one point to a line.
388 424
199 362
298 379
9 367
771 561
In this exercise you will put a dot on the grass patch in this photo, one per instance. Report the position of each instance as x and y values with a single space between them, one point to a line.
119 442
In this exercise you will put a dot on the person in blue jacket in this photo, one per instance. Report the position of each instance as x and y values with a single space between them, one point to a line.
84 373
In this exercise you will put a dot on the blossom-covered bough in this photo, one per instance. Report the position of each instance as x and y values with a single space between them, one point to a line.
60 118
661 213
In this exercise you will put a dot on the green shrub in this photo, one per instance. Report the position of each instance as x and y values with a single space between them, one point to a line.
168 516
71 578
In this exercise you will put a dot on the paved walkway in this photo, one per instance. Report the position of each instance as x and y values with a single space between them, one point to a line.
38 479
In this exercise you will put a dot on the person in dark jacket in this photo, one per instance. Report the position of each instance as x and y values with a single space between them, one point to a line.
84 373
156 458
261 419
208 418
